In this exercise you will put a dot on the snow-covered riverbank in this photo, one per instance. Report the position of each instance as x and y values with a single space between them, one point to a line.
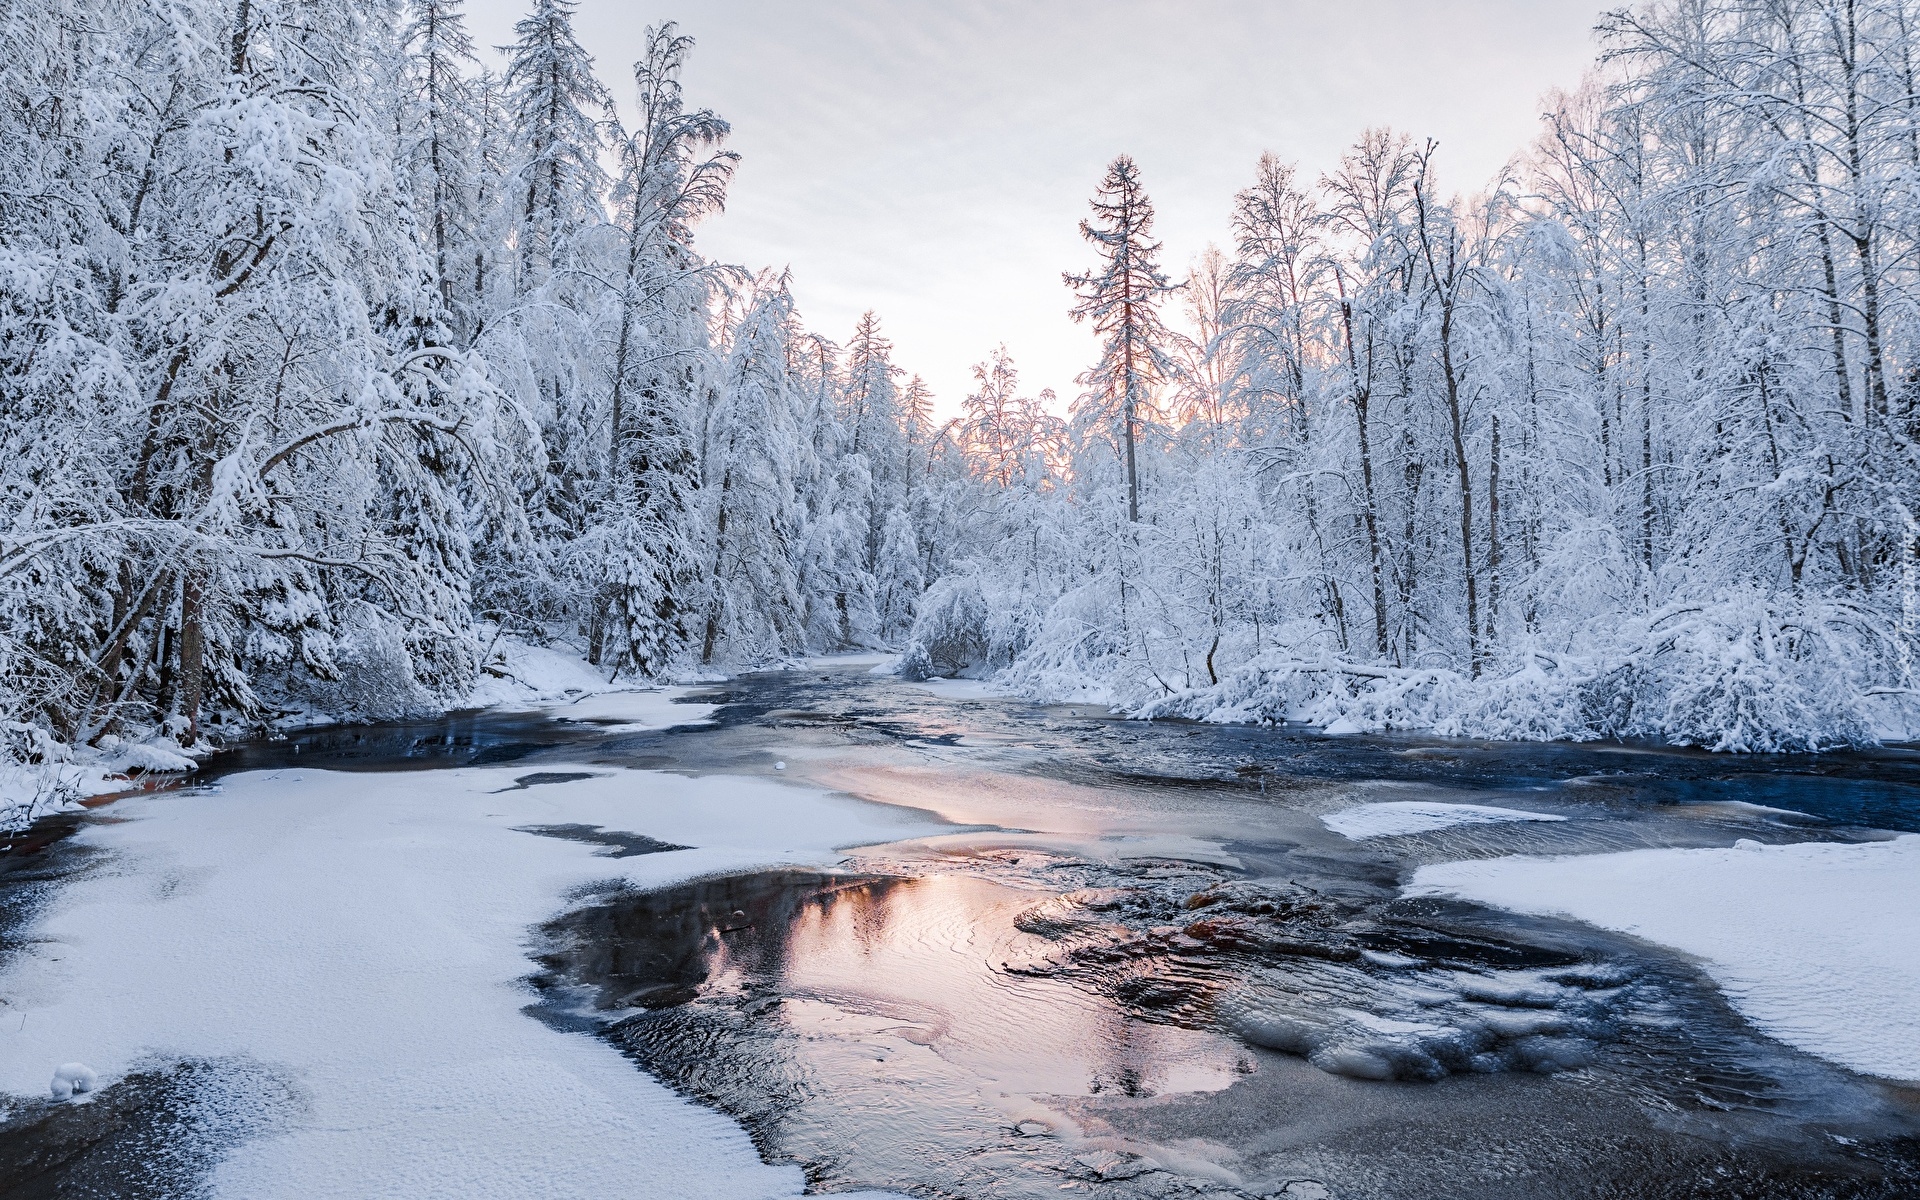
1817 943
519 677
362 938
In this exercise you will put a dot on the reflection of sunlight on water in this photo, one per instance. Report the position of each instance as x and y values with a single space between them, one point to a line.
925 954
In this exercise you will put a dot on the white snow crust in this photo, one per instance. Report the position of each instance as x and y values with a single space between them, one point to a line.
653 709
1818 944
367 935
1420 816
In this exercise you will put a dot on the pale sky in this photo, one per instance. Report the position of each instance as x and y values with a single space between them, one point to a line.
931 160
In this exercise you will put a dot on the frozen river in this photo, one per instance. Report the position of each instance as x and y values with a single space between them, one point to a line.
1123 959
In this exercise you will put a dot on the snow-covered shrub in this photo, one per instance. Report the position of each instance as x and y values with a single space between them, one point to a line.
35 776
367 672
1339 696
1541 701
963 629
950 634
40 775
1743 674
1751 673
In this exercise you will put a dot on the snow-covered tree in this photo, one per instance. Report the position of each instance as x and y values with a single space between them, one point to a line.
1122 300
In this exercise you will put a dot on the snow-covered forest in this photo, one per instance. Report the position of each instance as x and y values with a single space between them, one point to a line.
329 359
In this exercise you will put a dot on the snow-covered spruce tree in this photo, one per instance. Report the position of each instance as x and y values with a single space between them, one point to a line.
637 557
751 516
1116 419
876 427
438 149
827 562
1122 300
544 280
559 109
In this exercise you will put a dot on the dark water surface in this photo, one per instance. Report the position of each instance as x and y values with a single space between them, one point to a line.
1141 966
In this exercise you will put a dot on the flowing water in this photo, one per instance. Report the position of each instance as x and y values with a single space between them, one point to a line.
1140 965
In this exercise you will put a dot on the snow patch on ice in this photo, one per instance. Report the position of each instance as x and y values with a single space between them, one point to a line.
657 708
880 661
1420 816
523 676
366 933
1817 943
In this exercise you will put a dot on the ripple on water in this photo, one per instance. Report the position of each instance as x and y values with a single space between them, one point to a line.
963 1031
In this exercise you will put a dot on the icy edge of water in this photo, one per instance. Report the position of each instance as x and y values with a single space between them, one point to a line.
1393 817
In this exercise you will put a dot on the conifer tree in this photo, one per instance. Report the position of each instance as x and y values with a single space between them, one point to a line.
671 174
559 111
1122 300
442 153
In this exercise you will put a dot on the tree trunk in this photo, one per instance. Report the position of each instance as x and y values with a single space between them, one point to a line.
193 651
1362 397
1493 534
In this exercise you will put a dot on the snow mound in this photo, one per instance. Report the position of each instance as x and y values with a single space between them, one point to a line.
1420 816
517 674
71 1079
1818 944
159 754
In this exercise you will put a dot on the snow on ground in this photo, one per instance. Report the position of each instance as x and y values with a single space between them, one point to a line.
519 676
1816 943
1420 816
367 934
558 683
657 708
69 775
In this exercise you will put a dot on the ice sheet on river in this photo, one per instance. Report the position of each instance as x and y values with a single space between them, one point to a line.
364 937
1420 816
1817 943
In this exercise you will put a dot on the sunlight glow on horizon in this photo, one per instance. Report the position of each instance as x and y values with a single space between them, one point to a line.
934 166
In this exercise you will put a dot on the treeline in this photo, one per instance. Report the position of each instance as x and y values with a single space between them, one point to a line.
326 354
1626 445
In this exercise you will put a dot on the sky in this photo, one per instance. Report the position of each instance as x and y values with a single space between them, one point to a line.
931 159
